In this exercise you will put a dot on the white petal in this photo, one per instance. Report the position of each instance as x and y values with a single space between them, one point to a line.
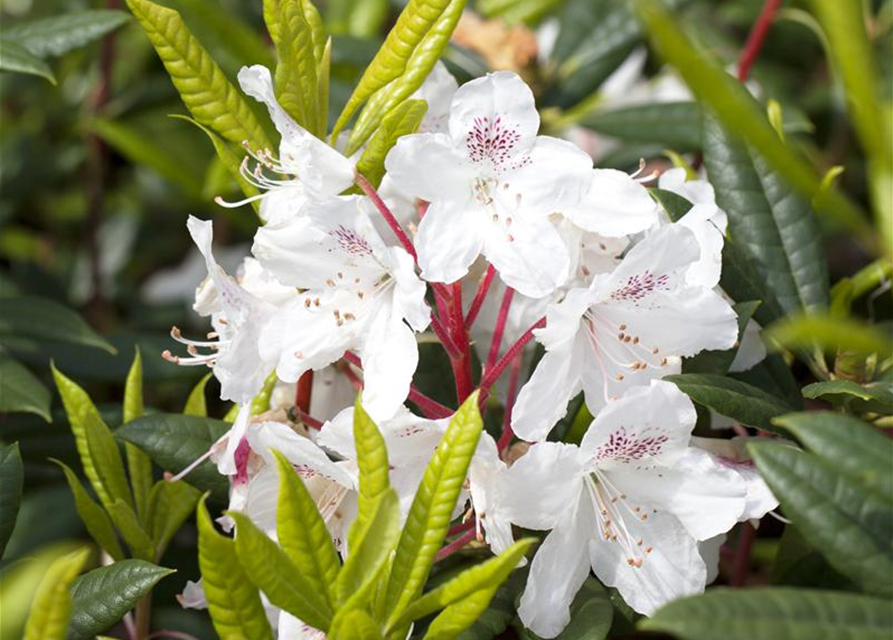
193 596
426 166
543 400
648 425
554 177
449 240
390 356
438 90
615 205
542 485
709 550
706 270
226 464
299 450
292 628
409 293
558 570
751 351
234 301
263 499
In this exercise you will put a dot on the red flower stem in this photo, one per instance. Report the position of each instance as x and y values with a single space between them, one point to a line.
741 562
443 335
455 545
460 528
491 376
499 330
303 391
757 37
480 296
354 379
461 366
309 420
370 191
507 434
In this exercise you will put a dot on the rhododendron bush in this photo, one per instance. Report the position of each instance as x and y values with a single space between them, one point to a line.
477 381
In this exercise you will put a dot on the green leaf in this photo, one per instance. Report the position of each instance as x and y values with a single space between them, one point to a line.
773 225
51 607
773 376
431 511
872 396
372 461
513 11
592 613
849 445
501 611
673 124
372 542
271 570
491 573
850 524
12 478
355 624
57 35
777 613
15 57
742 281
400 66
261 402
718 362
211 99
359 19
831 334
296 80
175 441
460 615
21 391
402 120
139 465
96 446
196 405
101 597
42 319
139 542
732 398
742 116
98 524
170 503
303 533
233 602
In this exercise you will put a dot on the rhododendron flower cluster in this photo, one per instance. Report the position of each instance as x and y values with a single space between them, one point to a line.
490 238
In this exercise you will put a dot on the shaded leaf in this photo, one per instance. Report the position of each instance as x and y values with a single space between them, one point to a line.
139 466
42 319
12 479
170 504
15 57
98 524
675 125
21 391
57 35
872 396
137 539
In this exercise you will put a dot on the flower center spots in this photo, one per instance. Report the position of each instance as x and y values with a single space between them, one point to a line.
639 286
624 447
491 141
350 241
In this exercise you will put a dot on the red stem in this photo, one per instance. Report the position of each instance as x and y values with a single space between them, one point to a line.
480 296
461 527
757 37
370 191
499 330
455 545
309 420
507 434
491 376
303 391
462 365
741 562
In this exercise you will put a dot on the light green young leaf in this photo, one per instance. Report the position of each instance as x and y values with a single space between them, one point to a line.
101 597
362 19
431 510
43 319
12 480
51 607
261 402
93 516
324 74
139 465
355 624
170 503
303 533
205 90
57 35
15 57
832 334
273 572
402 120
489 574
849 523
372 460
233 602
139 542
460 615
21 391
778 613
196 405
296 81
371 545
401 65
100 458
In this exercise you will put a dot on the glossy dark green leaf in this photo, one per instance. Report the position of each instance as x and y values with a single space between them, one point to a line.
871 396
21 391
676 125
15 57
62 33
849 523
101 597
776 613
732 398
12 478
672 203
773 376
175 441
43 319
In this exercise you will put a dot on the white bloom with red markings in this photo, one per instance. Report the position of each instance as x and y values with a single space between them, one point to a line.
357 293
492 184
631 503
627 328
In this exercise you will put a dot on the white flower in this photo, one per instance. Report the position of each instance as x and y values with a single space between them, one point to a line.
615 205
238 312
357 294
492 183
630 502
438 90
317 169
627 328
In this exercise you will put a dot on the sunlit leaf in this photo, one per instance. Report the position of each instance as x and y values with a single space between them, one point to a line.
51 607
